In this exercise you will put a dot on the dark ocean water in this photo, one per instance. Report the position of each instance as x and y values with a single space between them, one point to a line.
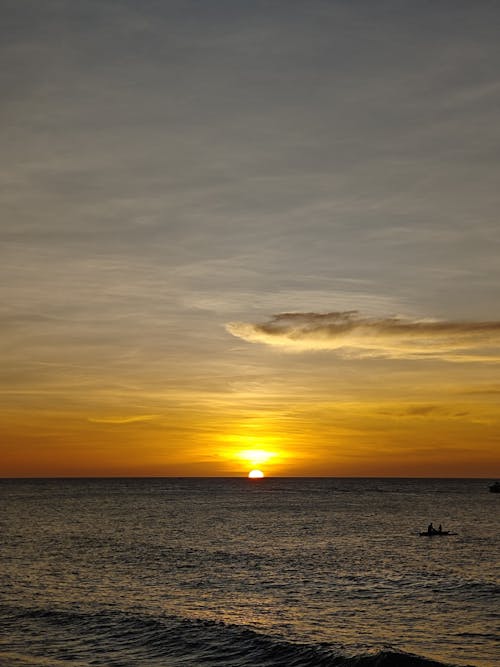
233 572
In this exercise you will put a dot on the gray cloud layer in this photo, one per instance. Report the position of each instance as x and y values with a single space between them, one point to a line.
172 165
350 141
352 334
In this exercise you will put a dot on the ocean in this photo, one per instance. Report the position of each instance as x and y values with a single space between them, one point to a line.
235 572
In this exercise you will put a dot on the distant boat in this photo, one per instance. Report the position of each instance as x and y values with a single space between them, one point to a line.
437 533
495 488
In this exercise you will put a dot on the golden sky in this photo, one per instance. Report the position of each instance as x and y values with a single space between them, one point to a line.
250 235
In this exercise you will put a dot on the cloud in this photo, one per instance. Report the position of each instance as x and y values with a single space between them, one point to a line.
436 411
421 410
132 419
351 334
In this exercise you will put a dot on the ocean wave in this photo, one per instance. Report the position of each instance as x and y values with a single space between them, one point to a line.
47 638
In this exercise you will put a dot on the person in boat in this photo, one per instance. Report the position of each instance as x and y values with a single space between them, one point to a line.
430 529
440 529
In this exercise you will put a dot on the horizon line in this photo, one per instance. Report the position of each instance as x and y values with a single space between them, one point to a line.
40 477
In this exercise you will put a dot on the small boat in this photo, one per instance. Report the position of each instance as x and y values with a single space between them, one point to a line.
437 533
495 488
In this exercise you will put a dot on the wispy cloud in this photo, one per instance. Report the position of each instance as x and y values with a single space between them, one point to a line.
352 334
131 419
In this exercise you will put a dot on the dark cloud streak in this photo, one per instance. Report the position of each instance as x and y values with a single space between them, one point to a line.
350 333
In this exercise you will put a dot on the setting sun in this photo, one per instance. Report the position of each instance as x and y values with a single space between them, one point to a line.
255 474
242 451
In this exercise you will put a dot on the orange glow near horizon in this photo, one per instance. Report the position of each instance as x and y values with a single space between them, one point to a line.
439 437
249 449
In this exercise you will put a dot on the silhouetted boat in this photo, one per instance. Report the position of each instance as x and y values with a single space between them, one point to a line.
495 488
437 533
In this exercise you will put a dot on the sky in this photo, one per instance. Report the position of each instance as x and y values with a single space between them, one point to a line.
240 234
